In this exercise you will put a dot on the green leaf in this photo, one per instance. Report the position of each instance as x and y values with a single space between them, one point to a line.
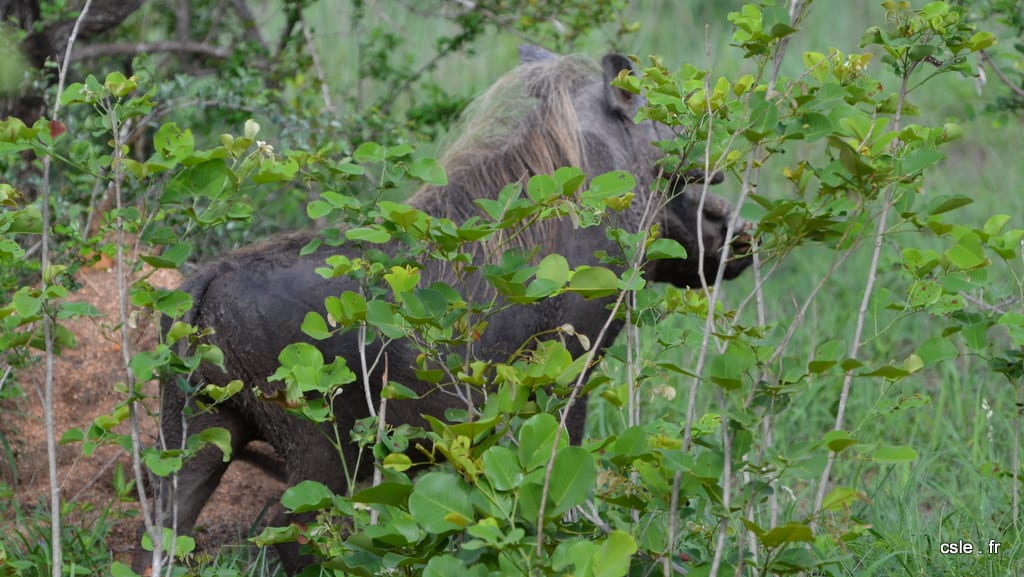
438 499
144 364
826 356
1014 323
307 496
117 569
816 126
708 465
788 533
381 317
975 335
614 554
554 268
25 221
216 436
542 187
632 442
172 257
162 463
207 179
615 183
572 478
981 41
920 262
387 493
348 308
817 65
274 535
887 372
968 253
276 171
664 248
922 51
219 394
428 171
894 454
947 203
173 143
301 355
398 392
842 498
725 373
183 544
402 279
501 467
569 179
448 566
315 326
369 152
995 224
836 441
318 208
578 553
924 293
25 303
373 234
397 462
536 438
593 282
920 159
913 363
398 151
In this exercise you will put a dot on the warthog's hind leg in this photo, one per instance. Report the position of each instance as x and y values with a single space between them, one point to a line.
182 499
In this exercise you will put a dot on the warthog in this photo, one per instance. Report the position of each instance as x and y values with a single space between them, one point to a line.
549 112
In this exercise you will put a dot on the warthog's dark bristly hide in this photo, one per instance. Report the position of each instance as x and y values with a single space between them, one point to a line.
547 113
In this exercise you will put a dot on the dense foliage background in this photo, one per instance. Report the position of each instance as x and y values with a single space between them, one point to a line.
850 408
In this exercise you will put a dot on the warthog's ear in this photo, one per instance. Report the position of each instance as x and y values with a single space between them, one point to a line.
530 53
620 101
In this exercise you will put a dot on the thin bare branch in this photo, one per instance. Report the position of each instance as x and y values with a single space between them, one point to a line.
293 14
252 29
378 475
1017 90
56 551
182 19
132 48
1015 459
862 312
317 68
3 378
797 11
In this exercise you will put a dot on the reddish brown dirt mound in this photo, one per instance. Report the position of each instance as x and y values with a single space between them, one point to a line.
84 388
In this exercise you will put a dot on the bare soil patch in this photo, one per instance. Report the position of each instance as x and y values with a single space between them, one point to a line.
84 388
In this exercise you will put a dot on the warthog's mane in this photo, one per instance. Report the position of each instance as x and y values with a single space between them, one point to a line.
525 124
